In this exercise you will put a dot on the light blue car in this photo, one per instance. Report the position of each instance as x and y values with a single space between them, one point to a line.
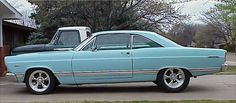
116 57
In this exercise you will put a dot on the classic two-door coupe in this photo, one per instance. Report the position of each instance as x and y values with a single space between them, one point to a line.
116 57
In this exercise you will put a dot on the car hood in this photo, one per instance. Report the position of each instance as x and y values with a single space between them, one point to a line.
33 48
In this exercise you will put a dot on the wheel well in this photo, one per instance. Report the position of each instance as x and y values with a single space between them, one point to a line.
31 69
185 70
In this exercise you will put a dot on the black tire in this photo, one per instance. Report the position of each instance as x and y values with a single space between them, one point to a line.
50 83
57 83
162 83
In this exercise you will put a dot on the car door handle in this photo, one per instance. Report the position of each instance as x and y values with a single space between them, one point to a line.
125 53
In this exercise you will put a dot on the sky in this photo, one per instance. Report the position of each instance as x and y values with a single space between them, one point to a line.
193 9
196 8
21 5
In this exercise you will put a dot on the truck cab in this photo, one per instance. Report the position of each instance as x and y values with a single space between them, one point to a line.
65 38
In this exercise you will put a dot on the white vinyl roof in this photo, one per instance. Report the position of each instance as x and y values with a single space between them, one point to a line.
75 28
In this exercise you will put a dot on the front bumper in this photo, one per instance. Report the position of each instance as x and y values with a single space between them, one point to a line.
223 67
11 77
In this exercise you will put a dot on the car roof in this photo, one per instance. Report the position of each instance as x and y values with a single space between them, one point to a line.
151 35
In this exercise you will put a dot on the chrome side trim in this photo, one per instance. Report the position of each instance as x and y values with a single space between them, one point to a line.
106 73
145 71
205 71
127 72
63 73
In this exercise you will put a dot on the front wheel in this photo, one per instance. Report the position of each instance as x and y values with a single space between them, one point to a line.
40 81
172 79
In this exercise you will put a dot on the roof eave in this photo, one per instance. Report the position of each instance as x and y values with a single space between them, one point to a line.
14 13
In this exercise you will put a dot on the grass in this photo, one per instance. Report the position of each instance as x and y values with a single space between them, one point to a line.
229 70
181 101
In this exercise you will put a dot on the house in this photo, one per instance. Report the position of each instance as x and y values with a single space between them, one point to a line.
11 34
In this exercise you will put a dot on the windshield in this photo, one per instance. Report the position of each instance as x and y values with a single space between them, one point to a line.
54 38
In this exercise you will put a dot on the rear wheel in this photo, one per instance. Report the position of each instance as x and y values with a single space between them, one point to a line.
40 81
172 79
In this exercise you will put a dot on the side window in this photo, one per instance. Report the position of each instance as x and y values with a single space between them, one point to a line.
68 38
143 42
112 42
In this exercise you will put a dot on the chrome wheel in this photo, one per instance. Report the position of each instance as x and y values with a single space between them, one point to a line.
39 80
174 77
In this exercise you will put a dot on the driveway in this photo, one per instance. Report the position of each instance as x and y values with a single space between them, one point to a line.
217 87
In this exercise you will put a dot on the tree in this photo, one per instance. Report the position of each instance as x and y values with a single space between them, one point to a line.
183 33
208 36
105 15
211 18
228 15
37 38
223 20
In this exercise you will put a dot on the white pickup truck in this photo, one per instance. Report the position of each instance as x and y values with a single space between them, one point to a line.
65 38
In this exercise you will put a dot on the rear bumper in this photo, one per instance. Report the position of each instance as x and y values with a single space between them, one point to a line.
11 77
223 67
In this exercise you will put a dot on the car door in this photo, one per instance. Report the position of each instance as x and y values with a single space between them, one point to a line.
105 58
145 54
